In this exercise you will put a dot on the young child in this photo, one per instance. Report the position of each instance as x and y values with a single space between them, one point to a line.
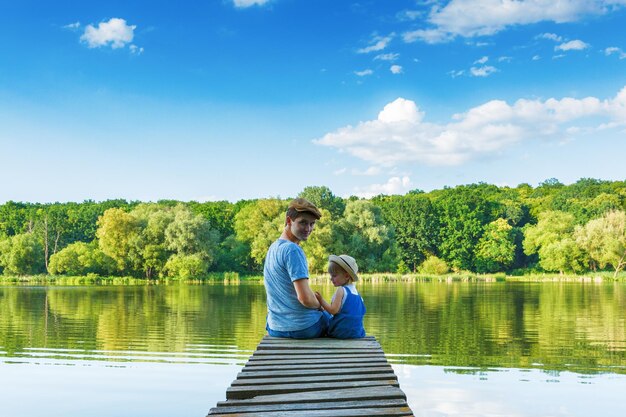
347 307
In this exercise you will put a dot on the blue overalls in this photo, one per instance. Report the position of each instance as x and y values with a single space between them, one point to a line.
348 322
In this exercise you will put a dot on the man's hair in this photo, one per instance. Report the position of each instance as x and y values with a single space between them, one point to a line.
293 214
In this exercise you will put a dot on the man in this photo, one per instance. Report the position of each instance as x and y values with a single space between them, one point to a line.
292 308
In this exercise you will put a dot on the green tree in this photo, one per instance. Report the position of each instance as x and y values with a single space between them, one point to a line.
186 266
362 234
259 224
495 250
233 255
191 234
323 198
552 239
219 214
604 239
434 266
80 258
22 254
463 213
119 237
415 224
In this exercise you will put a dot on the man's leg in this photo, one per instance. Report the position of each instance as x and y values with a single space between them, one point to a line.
316 330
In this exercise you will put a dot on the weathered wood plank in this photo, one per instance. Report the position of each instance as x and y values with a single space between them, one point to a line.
277 373
351 394
320 351
313 362
361 412
322 342
320 355
338 344
316 378
240 392
268 338
334 405
276 367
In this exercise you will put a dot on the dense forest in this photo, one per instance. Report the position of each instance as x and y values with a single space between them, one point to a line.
480 228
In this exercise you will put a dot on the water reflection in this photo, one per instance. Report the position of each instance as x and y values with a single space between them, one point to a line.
561 326
458 348
442 391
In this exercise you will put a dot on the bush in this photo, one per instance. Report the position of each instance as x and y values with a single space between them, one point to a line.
434 266
186 266
80 259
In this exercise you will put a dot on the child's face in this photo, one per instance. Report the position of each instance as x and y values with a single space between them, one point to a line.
339 277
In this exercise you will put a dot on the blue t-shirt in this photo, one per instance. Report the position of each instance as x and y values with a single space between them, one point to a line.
285 262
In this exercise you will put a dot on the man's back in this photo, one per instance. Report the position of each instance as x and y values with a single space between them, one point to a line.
285 262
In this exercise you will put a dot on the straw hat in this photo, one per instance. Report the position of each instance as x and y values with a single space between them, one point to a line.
348 263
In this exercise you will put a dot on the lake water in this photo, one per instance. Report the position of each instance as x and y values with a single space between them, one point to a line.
459 349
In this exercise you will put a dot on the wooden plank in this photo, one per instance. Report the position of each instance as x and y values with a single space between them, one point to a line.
268 338
320 351
313 362
320 355
315 378
323 342
334 405
352 394
274 373
240 392
277 367
360 412
338 344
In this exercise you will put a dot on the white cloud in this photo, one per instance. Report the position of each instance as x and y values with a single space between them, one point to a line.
395 185
400 135
378 43
505 59
340 171
470 18
536 58
374 170
575 45
484 71
72 26
400 110
482 60
455 74
428 36
396 69
248 3
550 36
387 57
615 50
134 49
410 14
115 33
364 72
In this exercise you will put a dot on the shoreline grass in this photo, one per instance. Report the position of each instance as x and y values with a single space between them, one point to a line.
233 278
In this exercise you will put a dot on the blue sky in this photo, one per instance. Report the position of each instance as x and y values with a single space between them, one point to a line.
237 99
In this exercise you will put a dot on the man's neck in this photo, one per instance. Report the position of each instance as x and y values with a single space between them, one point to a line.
287 235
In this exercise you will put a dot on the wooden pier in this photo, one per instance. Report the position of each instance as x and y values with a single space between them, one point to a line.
315 378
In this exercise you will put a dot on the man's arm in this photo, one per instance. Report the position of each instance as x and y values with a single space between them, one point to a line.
306 296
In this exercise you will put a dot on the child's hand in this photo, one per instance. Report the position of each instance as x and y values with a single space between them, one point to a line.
318 296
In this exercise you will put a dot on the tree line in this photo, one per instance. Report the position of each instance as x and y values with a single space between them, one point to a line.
480 228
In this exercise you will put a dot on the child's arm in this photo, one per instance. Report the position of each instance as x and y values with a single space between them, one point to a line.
336 304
